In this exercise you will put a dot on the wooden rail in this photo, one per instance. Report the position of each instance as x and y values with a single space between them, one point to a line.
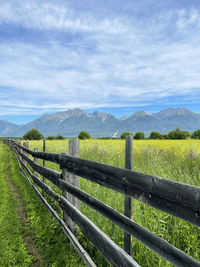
178 199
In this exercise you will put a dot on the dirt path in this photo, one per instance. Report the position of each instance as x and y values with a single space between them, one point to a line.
28 239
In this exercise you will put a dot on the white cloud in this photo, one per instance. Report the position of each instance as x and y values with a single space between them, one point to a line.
99 69
187 19
46 16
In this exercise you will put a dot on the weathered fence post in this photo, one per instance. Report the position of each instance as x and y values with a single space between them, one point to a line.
74 180
18 149
25 144
44 150
19 142
128 200
36 161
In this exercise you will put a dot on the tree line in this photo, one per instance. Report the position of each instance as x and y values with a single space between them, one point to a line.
176 134
34 134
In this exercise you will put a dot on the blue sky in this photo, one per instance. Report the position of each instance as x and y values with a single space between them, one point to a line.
110 55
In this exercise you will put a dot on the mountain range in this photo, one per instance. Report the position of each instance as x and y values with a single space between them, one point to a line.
71 122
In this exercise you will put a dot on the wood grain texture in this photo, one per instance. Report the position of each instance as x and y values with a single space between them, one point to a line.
175 198
74 180
77 246
127 199
114 254
154 242
51 175
43 163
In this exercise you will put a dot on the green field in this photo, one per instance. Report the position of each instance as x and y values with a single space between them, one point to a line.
174 160
40 242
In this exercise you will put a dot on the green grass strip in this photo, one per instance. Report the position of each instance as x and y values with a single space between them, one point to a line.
13 251
49 238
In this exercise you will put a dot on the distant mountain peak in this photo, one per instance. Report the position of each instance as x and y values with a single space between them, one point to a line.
71 112
7 122
99 114
62 115
6 127
139 113
170 112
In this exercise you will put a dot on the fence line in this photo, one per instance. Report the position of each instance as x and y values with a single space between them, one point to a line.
75 243
172 197
135 184
44 150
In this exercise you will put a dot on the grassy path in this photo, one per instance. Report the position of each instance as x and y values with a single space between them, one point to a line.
29 236
13 249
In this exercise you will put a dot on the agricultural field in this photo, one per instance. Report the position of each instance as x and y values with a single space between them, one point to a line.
177 160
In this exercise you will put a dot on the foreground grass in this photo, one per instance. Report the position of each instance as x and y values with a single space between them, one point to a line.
174 160
48 236
13 250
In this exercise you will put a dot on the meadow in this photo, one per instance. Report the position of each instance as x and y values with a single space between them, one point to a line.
177 160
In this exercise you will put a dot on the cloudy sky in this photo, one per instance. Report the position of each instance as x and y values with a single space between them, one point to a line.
107 55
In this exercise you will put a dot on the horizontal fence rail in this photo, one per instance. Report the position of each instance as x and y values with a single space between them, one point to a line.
155 243
175 198
178 199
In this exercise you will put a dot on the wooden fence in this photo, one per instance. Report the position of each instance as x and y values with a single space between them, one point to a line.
178 199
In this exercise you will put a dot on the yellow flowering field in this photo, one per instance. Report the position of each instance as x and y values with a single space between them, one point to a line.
172 159
110 147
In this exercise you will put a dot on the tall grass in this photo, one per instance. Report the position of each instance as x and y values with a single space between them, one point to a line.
174 160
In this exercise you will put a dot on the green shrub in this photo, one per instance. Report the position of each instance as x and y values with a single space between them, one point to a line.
51 137
83 135
139 135
59 137
178 134
33 134
196 134
124 134
155 135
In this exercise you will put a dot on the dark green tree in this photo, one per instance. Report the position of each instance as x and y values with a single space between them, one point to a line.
51 137
185 134
59 137
124 134
196 134
165 136
155 135
178 134
84 135
139 135
33 134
